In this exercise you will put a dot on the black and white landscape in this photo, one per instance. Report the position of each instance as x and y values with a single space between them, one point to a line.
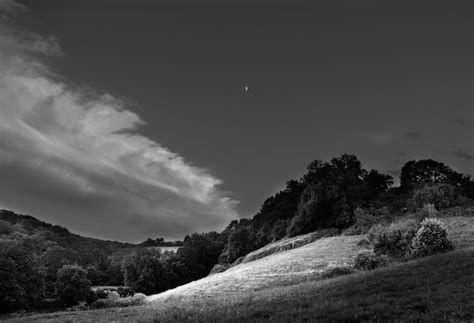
236 160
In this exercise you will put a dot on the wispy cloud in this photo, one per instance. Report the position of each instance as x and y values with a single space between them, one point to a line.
464 155
79 159
411 135
386 137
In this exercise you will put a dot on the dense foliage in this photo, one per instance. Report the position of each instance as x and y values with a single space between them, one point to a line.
333 191
440 195
143 271
22 277
72 285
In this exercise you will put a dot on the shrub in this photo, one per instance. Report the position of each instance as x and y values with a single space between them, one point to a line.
431 239
114 300
369 260
395 239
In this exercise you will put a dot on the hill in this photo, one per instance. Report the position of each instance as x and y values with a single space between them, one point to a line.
289 286
60 235
290 267
306 263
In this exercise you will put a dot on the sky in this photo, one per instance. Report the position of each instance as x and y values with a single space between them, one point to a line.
129 119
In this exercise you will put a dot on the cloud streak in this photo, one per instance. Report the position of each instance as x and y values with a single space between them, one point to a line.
79 160
464 155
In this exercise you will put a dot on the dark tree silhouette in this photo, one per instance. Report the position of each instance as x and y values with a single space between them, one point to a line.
143 271
72 285
427 171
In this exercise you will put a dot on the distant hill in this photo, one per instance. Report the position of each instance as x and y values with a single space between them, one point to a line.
63 237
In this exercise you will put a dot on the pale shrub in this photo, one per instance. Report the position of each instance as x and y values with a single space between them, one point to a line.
114 300
431 238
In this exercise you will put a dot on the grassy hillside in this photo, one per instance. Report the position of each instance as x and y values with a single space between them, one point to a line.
290 267
287 286
287 244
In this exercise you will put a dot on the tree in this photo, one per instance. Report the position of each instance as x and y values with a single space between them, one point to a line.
143 271
377 183
95 275
56 257
21 276
333 191
241 241
72 285
275 211
428 171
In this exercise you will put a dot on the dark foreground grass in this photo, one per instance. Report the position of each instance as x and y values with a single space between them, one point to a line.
437 288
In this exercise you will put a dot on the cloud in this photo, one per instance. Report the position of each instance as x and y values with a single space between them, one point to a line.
387 137
464 123
464 155
403 154
79 160
411 135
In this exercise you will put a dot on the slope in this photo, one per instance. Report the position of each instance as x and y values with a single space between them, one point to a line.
283 268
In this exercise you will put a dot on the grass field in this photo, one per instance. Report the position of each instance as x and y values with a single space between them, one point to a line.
287 286
290 267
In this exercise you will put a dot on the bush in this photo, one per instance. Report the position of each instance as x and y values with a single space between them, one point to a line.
369 260
395 239
431 239
114 300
